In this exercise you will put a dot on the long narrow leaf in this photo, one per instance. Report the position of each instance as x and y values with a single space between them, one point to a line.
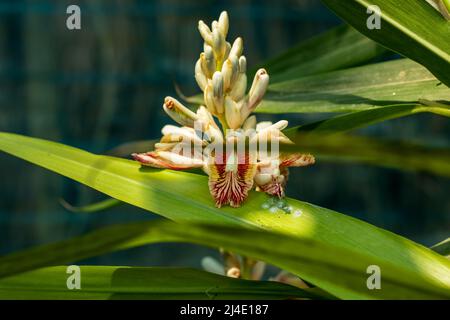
341 272
388 83
399 155
106 282
184 197
338 48
356 120
412 28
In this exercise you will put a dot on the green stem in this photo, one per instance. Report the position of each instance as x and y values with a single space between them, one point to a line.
223 123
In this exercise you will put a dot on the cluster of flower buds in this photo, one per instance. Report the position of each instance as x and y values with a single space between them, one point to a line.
200 143
221 75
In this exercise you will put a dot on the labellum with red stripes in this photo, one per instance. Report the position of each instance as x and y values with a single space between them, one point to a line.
234 154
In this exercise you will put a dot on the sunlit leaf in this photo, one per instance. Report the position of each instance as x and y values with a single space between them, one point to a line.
107 282
184 197
388 83
412 28
341 272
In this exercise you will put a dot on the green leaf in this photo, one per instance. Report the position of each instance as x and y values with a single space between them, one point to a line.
399 155
412 28
341 272
443 248
190 201
361 119
107 282
338 48
93 207
388 83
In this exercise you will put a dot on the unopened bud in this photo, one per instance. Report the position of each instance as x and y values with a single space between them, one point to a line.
218 45
179 113
200 76
217 85
234 273
250 123
237 47
208 62
258 89
239 87
232 113
230 71
227 49
224 23
242 64
205 32
209 99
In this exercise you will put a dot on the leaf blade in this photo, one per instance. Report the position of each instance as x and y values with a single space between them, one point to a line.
190 203
402 30
387 83
313 260
111 282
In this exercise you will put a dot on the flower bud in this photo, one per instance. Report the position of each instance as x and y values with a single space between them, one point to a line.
242 64
237 47
224 23
205 116
227 49
209 99
232 113
177 134
230 71
263 178
179 113
219 45
200 77
205 32
208 62
250 123
239 87
258 89
217 85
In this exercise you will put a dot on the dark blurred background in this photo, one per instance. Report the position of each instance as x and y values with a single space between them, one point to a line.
103 85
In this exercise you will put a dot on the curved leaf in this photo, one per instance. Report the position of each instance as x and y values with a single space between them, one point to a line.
184 197
399 155
355 120
412 28
388 83
107 282
341 272
338 48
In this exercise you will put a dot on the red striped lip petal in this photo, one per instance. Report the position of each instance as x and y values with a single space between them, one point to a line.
231 178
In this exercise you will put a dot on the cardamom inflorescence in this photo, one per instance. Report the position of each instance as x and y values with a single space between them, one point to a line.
235 156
